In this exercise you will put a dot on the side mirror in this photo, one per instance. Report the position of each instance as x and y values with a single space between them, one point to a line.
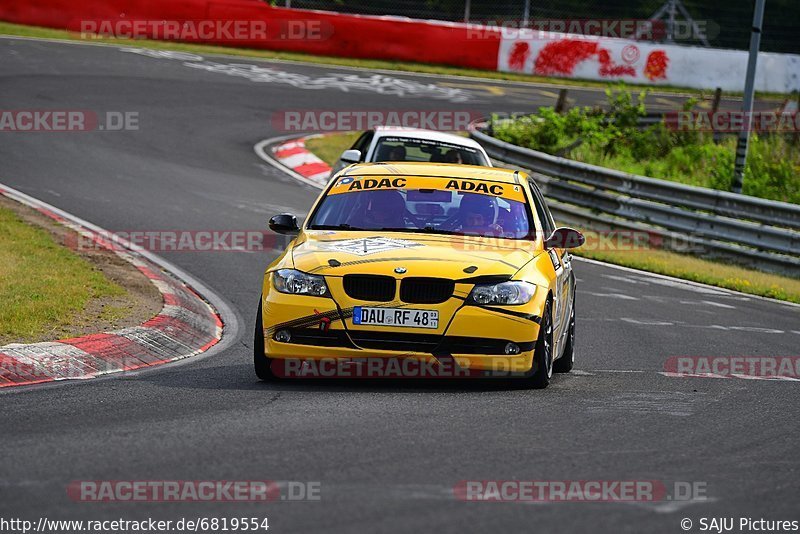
351 156
564 237
285 223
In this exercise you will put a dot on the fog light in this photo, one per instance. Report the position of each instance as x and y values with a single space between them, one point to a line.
283 336
512 348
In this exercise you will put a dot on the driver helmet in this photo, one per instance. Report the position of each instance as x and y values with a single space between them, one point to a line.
385 209
477 212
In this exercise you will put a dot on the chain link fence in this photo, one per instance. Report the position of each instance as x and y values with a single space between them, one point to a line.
725 25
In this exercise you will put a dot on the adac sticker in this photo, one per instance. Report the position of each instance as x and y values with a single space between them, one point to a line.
350 184
369 245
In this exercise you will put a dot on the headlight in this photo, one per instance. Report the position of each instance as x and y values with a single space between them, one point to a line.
299 283
506 293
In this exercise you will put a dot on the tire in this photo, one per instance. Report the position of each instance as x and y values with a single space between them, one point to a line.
543 353
261 363
567 360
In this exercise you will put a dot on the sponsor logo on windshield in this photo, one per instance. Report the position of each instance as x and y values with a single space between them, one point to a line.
507 191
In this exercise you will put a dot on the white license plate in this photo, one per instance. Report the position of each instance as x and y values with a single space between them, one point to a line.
363 315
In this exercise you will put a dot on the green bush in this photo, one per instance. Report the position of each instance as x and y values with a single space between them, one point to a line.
611 138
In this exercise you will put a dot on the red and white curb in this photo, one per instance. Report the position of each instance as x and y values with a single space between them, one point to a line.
186 326
296 159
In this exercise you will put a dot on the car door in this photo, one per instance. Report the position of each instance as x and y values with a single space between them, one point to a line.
562 263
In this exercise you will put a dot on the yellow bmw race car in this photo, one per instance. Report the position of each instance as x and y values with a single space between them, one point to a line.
438 264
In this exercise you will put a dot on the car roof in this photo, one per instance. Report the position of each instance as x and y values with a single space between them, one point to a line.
444 170
417 133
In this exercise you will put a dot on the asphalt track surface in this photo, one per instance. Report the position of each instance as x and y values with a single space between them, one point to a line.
387 454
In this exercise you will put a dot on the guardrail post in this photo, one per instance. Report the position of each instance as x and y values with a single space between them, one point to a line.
796 134
747 105
562 101
715 108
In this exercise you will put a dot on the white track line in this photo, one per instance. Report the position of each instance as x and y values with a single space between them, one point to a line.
686 282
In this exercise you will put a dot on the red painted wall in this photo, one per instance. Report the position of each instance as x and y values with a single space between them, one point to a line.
342 35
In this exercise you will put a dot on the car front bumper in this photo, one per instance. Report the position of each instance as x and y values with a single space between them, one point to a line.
469 338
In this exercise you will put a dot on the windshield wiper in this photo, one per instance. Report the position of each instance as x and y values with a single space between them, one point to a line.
343 226
425 230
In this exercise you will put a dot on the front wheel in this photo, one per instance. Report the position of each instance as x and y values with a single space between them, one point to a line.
260 361
543 353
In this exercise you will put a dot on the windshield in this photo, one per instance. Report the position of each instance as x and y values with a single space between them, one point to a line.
395 148
415 204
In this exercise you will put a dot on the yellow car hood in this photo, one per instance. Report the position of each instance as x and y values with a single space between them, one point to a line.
338 253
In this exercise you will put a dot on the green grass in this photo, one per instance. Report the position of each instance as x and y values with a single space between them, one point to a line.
328 148
665 262
44 287
114 313
34 31
772 172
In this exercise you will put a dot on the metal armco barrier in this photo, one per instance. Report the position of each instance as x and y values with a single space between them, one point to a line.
754 231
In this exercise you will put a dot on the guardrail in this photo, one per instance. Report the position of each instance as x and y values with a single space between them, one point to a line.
750 230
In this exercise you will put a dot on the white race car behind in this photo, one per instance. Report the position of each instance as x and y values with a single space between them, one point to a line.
408 144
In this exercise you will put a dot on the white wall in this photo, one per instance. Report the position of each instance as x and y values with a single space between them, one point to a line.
609 59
